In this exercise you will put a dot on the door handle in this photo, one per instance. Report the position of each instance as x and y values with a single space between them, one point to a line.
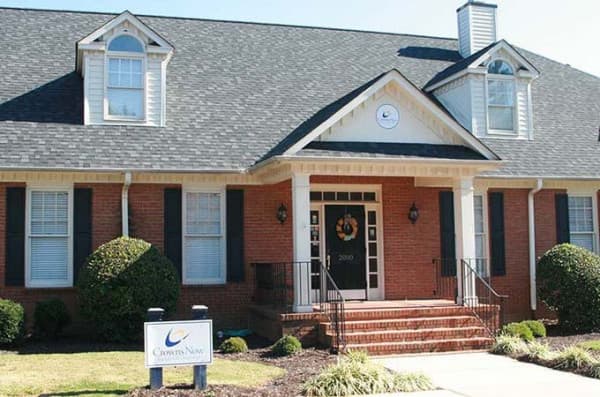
328 261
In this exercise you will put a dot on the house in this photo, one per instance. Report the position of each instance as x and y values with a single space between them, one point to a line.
419 174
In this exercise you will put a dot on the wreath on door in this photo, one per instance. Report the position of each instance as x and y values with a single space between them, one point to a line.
346 227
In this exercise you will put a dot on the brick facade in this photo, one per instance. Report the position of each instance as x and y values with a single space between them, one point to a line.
408 249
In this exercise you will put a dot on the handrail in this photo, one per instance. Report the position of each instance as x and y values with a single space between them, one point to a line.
485 283
332 305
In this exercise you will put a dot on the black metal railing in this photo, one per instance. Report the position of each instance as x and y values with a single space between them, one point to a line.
487 304
477 292
332 305
274 284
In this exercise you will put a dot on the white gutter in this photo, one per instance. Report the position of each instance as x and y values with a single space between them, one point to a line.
531 217
125 204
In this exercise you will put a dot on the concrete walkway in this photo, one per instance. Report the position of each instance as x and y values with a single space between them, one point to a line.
487 375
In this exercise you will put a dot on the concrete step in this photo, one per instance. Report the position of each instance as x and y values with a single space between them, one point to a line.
440 345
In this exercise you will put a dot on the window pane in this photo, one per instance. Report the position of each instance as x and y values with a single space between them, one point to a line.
125 43
49 213
478 207
581 214
501 118
203 213
501 92
500 67
49 258
583 240
125 102
203 258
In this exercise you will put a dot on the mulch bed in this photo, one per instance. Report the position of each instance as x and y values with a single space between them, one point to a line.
557 339
299 368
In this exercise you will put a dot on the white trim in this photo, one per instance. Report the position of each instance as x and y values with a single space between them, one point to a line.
48 188
416 94
514 133
221 189
574 192
483 193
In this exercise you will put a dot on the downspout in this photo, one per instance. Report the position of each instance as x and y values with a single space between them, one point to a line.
531 217
125 204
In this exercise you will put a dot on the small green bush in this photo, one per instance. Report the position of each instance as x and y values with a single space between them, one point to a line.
286 346
537 351
50 318
574 357
518 329
352 376
359 356
120 281
537 328
234 345
569 282
509 345
12 321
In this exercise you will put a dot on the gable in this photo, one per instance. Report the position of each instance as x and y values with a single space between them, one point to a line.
420 120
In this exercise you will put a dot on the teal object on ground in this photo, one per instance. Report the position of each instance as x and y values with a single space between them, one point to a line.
237 332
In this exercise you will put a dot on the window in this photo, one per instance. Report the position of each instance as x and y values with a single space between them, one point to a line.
480 236
125 88
48 245
501 96
581 222
203 245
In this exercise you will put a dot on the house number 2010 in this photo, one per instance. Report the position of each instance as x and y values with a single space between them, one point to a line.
345 257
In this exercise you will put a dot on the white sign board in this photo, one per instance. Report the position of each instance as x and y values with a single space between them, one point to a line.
170 343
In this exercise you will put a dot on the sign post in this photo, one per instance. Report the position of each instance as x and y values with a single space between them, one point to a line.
155 314
199 312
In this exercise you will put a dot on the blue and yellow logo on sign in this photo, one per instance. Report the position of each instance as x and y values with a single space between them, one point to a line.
175 337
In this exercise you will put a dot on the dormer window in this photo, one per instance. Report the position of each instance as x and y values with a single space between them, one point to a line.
125 84
501 97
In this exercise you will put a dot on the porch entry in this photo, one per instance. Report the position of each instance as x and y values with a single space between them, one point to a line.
346 239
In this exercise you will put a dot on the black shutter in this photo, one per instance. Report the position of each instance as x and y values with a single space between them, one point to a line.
448 242
235 235
497 244
15 236
172 226
82 228
561 202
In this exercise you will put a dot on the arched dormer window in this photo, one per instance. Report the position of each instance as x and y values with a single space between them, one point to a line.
501 96
125 85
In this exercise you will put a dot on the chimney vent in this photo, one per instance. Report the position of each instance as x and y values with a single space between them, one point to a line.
476 26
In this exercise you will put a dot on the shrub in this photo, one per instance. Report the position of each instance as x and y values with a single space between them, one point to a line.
354 377
537 328
509 345
574 357
518 329
537 351
593 345
287 345
12 321
50 318
569 282
359 356
234 345
120 281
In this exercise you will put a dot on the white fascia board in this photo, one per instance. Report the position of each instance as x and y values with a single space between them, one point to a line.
416 94
456 76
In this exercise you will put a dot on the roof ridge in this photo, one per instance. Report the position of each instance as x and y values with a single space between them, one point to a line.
234 21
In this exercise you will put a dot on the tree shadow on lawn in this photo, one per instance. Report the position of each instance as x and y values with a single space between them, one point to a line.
66 345
84 393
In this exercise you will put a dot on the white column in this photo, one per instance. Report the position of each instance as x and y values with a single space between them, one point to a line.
301 236
464 226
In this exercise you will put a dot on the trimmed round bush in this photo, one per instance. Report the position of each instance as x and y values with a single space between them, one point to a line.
50 318
12 321
519 330
234 345
537 328
120 281
569 283
286 346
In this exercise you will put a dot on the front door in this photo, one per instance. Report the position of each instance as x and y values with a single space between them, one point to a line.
345 239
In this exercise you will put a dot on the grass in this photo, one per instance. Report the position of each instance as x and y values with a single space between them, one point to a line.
593 345
111 373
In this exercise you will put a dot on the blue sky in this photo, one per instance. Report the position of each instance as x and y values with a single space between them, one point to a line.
567 31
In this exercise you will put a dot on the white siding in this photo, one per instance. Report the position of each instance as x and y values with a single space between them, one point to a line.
476 28
478 101
456 98
94 88
153 91
523 116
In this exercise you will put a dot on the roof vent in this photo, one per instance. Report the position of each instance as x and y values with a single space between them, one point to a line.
476 26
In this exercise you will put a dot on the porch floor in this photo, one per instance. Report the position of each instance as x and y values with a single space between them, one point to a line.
394 304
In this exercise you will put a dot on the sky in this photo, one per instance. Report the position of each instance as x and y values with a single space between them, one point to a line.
567 31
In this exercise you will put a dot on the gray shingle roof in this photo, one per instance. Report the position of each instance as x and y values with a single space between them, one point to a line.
236 90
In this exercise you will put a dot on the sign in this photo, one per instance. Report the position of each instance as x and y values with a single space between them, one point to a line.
170 343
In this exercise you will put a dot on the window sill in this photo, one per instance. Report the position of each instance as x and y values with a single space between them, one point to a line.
50 287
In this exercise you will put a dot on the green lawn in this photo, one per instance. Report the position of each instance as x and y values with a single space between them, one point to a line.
110 373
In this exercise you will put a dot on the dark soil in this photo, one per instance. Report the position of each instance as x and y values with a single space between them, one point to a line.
299 368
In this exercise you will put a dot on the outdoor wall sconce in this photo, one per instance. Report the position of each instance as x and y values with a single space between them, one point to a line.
413 213
282 213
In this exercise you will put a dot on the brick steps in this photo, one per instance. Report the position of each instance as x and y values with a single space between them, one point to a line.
400 330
